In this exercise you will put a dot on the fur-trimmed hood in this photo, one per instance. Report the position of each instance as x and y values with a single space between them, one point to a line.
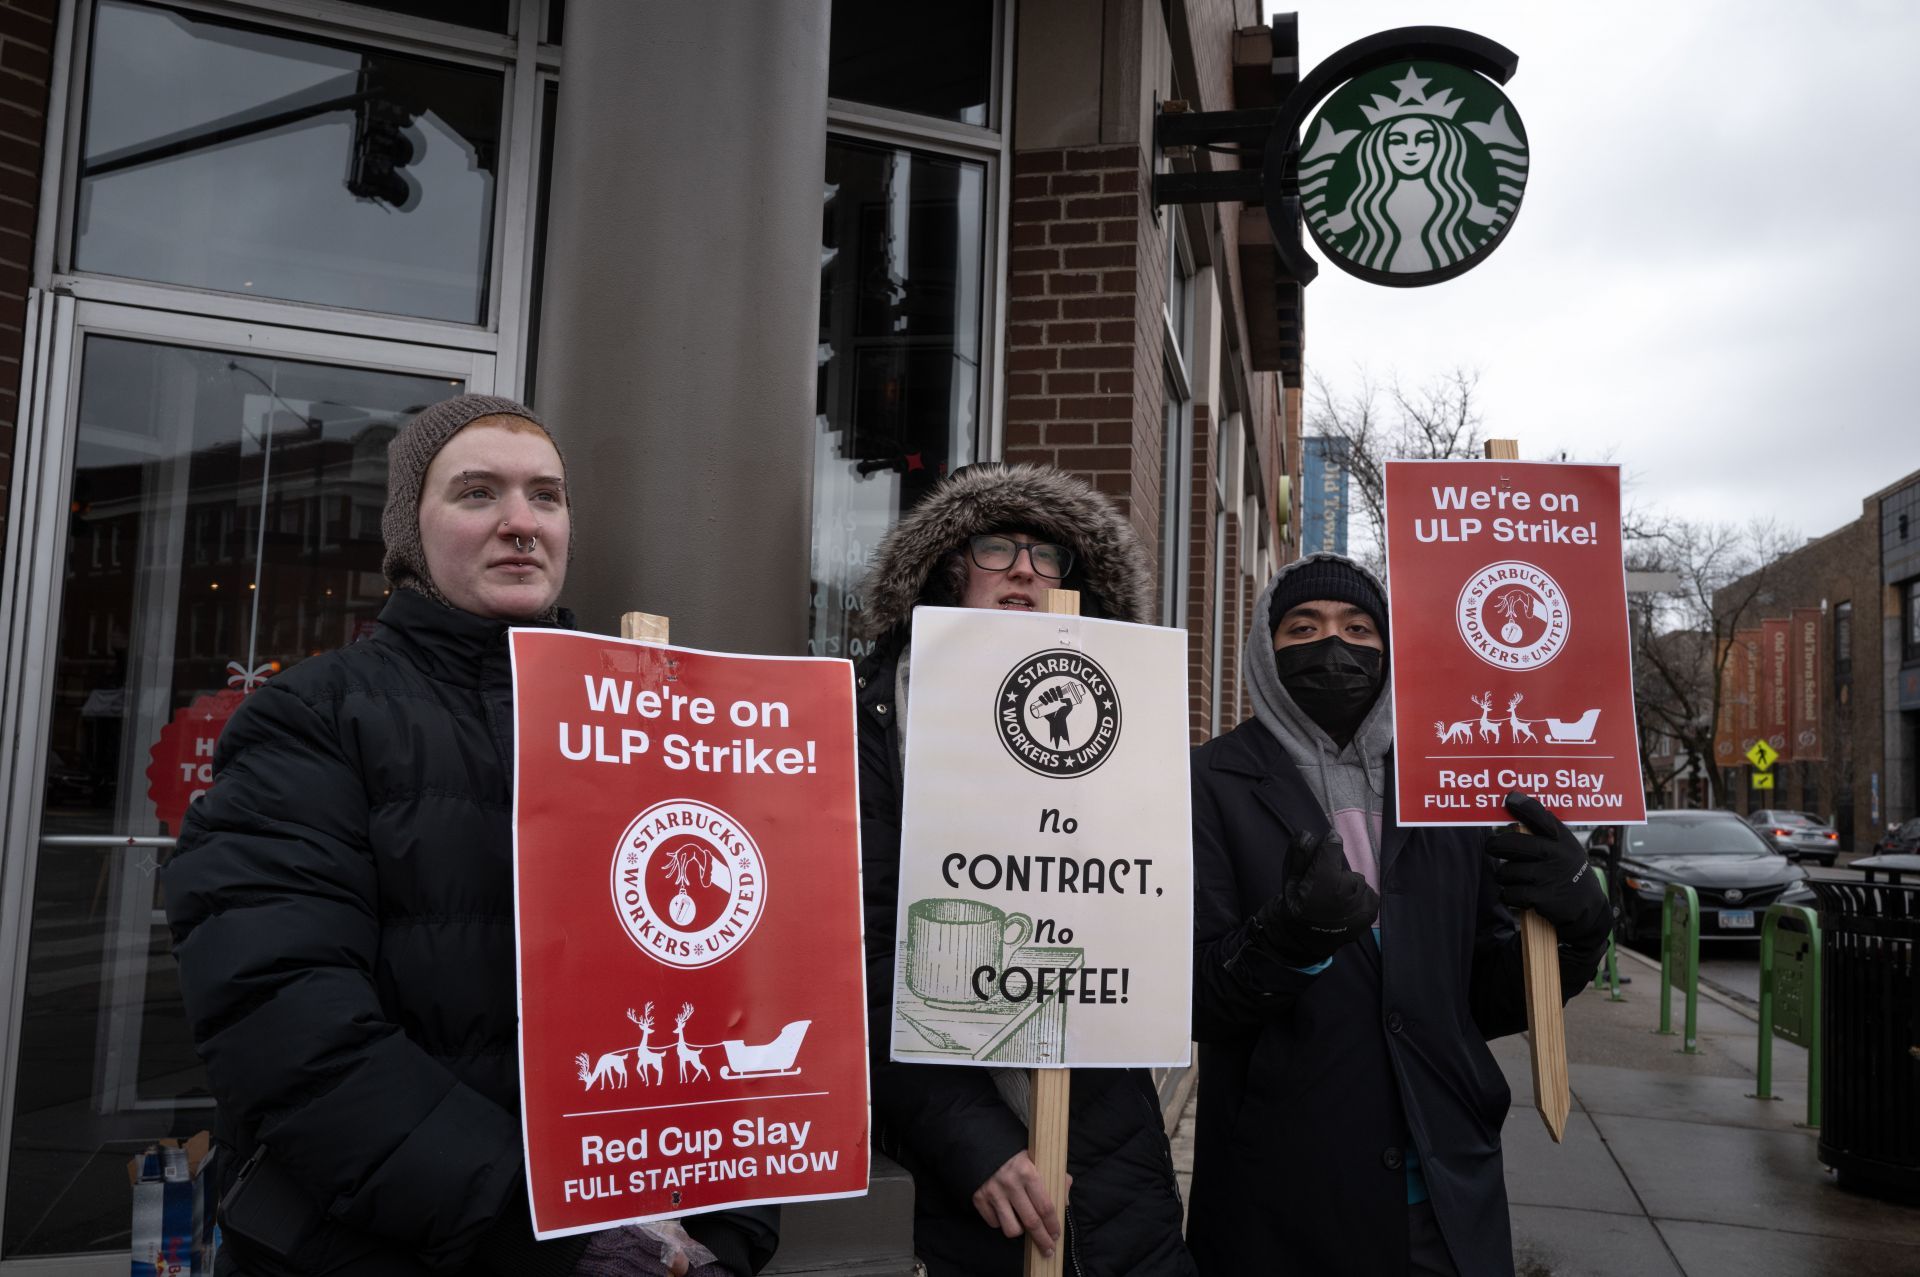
1111 569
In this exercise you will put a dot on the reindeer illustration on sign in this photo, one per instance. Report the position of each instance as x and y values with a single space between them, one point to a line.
1559 731
776 1058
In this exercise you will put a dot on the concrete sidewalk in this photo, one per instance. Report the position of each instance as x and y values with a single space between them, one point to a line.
1669 1167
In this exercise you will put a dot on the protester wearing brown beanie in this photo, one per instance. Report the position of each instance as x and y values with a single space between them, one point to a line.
341 904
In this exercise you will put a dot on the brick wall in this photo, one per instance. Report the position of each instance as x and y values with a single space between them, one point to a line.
1201 550
1230 636
26 60
1085 374
1086 381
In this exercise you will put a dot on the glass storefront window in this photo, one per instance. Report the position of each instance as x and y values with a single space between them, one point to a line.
223 156
929 59
899 390
223 523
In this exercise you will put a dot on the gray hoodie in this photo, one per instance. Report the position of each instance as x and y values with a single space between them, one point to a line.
1350 783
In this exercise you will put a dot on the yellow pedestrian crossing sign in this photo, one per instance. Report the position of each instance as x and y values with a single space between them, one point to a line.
1763 780
1762 756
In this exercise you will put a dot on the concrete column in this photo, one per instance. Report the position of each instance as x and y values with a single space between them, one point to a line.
682 310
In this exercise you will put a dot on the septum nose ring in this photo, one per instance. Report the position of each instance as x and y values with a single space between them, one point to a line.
525 544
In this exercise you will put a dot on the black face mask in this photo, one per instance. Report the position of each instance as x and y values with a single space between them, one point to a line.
1334 682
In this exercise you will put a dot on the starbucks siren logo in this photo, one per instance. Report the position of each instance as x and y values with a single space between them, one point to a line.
688 883
1412 174
1512 615
1057 713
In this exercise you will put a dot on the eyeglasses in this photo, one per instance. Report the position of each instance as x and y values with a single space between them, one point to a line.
997 554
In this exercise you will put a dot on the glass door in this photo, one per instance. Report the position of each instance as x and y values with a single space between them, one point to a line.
223 484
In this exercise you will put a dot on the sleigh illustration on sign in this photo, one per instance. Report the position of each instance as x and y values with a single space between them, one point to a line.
1578 731
771 1059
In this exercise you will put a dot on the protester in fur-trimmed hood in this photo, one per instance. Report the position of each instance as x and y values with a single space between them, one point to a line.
996 536
924 559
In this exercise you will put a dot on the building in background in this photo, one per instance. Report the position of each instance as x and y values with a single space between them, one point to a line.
1862 582
240 241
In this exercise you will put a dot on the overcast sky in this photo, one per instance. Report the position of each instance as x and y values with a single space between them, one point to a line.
1715 273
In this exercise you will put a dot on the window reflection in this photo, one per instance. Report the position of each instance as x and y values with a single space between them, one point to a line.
222 156
224 522
486 15
899 354
930 59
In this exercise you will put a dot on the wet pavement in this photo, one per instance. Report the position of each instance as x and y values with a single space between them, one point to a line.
1670 1166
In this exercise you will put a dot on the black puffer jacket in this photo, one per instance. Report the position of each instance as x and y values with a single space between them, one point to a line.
948 1124
341 903
1314 1088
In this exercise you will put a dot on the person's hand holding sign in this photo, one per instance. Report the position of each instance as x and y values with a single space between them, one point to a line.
1014 1201
1543 867
1323 905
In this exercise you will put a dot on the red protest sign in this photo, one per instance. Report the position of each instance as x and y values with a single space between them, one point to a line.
1510 657
687 869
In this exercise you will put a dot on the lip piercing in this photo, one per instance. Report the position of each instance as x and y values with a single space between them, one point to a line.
525 544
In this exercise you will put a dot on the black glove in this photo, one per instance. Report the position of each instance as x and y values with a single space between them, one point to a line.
1322 905
1544 868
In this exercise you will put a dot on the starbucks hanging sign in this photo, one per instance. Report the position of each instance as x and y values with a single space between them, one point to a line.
1411 173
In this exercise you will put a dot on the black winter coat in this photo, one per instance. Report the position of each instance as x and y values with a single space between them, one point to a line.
947 1123
1311 1086
341 902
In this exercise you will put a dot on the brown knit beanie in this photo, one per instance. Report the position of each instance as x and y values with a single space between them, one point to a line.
408 455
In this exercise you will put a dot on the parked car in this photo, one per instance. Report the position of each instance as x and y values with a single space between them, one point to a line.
1798 836
1735 872
1904 839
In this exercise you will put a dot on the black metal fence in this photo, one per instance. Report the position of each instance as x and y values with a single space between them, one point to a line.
1870 1023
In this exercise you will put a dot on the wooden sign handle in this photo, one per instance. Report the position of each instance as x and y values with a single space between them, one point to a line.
1052 1090
645 626
1540 968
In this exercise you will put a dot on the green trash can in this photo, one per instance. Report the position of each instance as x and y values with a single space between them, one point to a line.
1870 1030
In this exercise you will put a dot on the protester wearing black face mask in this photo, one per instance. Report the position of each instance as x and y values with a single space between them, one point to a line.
1349 970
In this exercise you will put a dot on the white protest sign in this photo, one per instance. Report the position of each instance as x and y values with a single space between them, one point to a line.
1046 849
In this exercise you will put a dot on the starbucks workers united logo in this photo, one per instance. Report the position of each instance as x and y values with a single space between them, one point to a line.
1412 174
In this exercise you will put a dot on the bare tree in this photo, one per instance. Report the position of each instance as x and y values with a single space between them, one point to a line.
1682 640
1436 420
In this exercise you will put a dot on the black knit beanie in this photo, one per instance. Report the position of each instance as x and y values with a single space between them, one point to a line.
1326 578
408 455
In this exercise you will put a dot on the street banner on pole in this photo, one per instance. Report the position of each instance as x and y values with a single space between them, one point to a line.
1046 902
1726 750
1776 690
1746 653
691 981
1511 660
1809 746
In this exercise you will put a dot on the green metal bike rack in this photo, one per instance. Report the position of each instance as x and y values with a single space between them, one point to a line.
1680 947
1608 974
1790 996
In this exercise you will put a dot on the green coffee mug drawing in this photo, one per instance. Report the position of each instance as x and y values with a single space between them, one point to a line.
948 940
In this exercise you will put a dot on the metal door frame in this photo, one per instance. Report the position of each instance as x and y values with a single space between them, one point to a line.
57 329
